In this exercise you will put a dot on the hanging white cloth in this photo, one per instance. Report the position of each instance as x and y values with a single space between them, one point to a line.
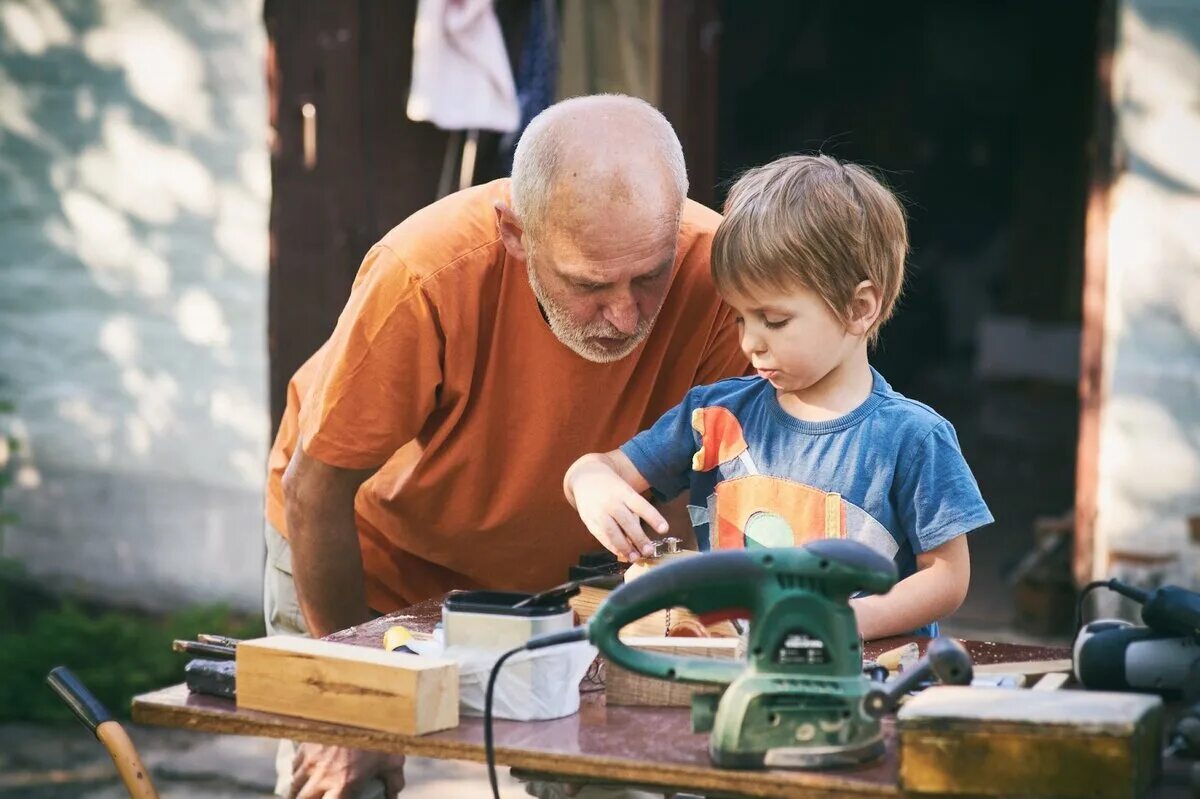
461 78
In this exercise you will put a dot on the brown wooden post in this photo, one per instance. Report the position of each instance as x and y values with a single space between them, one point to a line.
349 65
690 49
1091 374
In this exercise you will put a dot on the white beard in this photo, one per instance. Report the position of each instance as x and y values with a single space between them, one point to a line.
578 338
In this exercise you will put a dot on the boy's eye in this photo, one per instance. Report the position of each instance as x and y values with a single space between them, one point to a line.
775 324
739 321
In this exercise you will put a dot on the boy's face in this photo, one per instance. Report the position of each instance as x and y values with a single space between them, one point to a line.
792 338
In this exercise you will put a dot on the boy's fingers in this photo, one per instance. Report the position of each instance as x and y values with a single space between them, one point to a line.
609 533
631 526
642 507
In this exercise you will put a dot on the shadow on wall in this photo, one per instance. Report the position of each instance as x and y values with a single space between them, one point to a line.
134 183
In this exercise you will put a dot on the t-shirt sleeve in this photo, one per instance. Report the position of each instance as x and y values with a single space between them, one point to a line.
723 356
379 380
663 454
937 495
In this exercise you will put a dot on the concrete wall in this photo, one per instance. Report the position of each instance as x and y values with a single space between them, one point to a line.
1150 425
134 184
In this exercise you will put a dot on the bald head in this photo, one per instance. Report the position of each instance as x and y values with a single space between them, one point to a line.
601 155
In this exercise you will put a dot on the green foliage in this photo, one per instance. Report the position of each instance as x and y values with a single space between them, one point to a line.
9 446
117 654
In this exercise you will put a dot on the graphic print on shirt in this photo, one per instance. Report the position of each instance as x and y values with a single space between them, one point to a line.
748 509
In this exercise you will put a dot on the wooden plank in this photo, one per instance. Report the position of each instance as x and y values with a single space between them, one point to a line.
630 689
1027 667
1005 742
654 625
346 684
1053 681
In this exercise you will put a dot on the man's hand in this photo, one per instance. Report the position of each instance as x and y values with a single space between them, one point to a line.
603 488
334 772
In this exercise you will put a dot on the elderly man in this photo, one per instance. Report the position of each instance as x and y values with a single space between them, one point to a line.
489 340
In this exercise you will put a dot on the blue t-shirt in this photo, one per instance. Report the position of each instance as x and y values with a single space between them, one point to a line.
889 473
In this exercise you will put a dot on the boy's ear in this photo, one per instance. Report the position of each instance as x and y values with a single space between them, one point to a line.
865 305
512 233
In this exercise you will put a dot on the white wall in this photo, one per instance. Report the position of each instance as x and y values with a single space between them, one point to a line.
1150 426
134 185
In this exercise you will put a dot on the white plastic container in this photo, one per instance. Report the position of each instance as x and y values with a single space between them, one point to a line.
479 626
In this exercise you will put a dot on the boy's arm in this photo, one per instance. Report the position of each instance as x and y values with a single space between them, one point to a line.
606 488
936 590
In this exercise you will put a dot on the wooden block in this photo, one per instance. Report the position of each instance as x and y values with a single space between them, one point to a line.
347 684
627 688
1005 742
1052 681
654 625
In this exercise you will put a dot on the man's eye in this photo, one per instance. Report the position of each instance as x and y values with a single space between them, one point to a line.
590 286
775 325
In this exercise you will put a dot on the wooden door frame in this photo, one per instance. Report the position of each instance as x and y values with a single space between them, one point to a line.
1105 167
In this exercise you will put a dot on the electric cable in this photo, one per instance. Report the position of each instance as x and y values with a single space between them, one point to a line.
537 642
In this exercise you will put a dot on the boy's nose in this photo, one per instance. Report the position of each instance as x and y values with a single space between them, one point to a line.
753 345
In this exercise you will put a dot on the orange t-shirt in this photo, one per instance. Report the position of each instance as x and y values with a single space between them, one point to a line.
443 372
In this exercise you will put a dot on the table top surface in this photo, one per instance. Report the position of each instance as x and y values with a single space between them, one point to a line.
643 745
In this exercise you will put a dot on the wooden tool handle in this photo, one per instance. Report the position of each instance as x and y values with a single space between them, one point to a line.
125 756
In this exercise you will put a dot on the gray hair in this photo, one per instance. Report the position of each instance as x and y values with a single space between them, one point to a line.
539 151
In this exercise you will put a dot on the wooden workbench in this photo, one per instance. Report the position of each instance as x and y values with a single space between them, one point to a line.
643 746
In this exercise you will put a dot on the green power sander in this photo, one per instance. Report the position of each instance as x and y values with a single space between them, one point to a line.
800 699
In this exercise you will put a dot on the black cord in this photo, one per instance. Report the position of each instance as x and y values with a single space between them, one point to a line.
537 642
490 752
1087 589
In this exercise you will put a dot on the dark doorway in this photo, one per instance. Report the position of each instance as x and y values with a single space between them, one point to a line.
979 114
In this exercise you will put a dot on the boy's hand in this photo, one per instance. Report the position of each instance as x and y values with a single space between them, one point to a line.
610 507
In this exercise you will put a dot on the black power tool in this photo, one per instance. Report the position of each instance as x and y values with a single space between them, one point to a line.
1162 657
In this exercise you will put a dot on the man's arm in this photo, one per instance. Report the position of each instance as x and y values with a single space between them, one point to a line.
326 558
936 590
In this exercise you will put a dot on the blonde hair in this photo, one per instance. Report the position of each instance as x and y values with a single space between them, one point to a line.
815 222
540 150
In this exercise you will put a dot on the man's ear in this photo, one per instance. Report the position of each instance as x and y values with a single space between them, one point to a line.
865 307
512 233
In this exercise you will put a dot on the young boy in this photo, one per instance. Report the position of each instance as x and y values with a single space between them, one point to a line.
810 256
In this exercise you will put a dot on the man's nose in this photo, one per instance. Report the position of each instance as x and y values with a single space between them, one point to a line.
622 313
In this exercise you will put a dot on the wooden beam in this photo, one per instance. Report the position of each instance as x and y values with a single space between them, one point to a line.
1095 272
347 684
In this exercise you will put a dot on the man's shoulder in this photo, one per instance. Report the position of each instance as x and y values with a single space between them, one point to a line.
459 229
697 224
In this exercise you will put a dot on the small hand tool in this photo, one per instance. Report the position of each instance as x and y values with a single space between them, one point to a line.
212 651
109 732
945 661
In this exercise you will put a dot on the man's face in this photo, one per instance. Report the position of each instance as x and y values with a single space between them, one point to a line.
601 286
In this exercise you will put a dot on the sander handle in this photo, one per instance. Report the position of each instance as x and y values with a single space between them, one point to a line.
730 579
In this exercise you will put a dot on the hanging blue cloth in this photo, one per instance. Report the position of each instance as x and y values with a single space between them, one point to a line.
537 70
